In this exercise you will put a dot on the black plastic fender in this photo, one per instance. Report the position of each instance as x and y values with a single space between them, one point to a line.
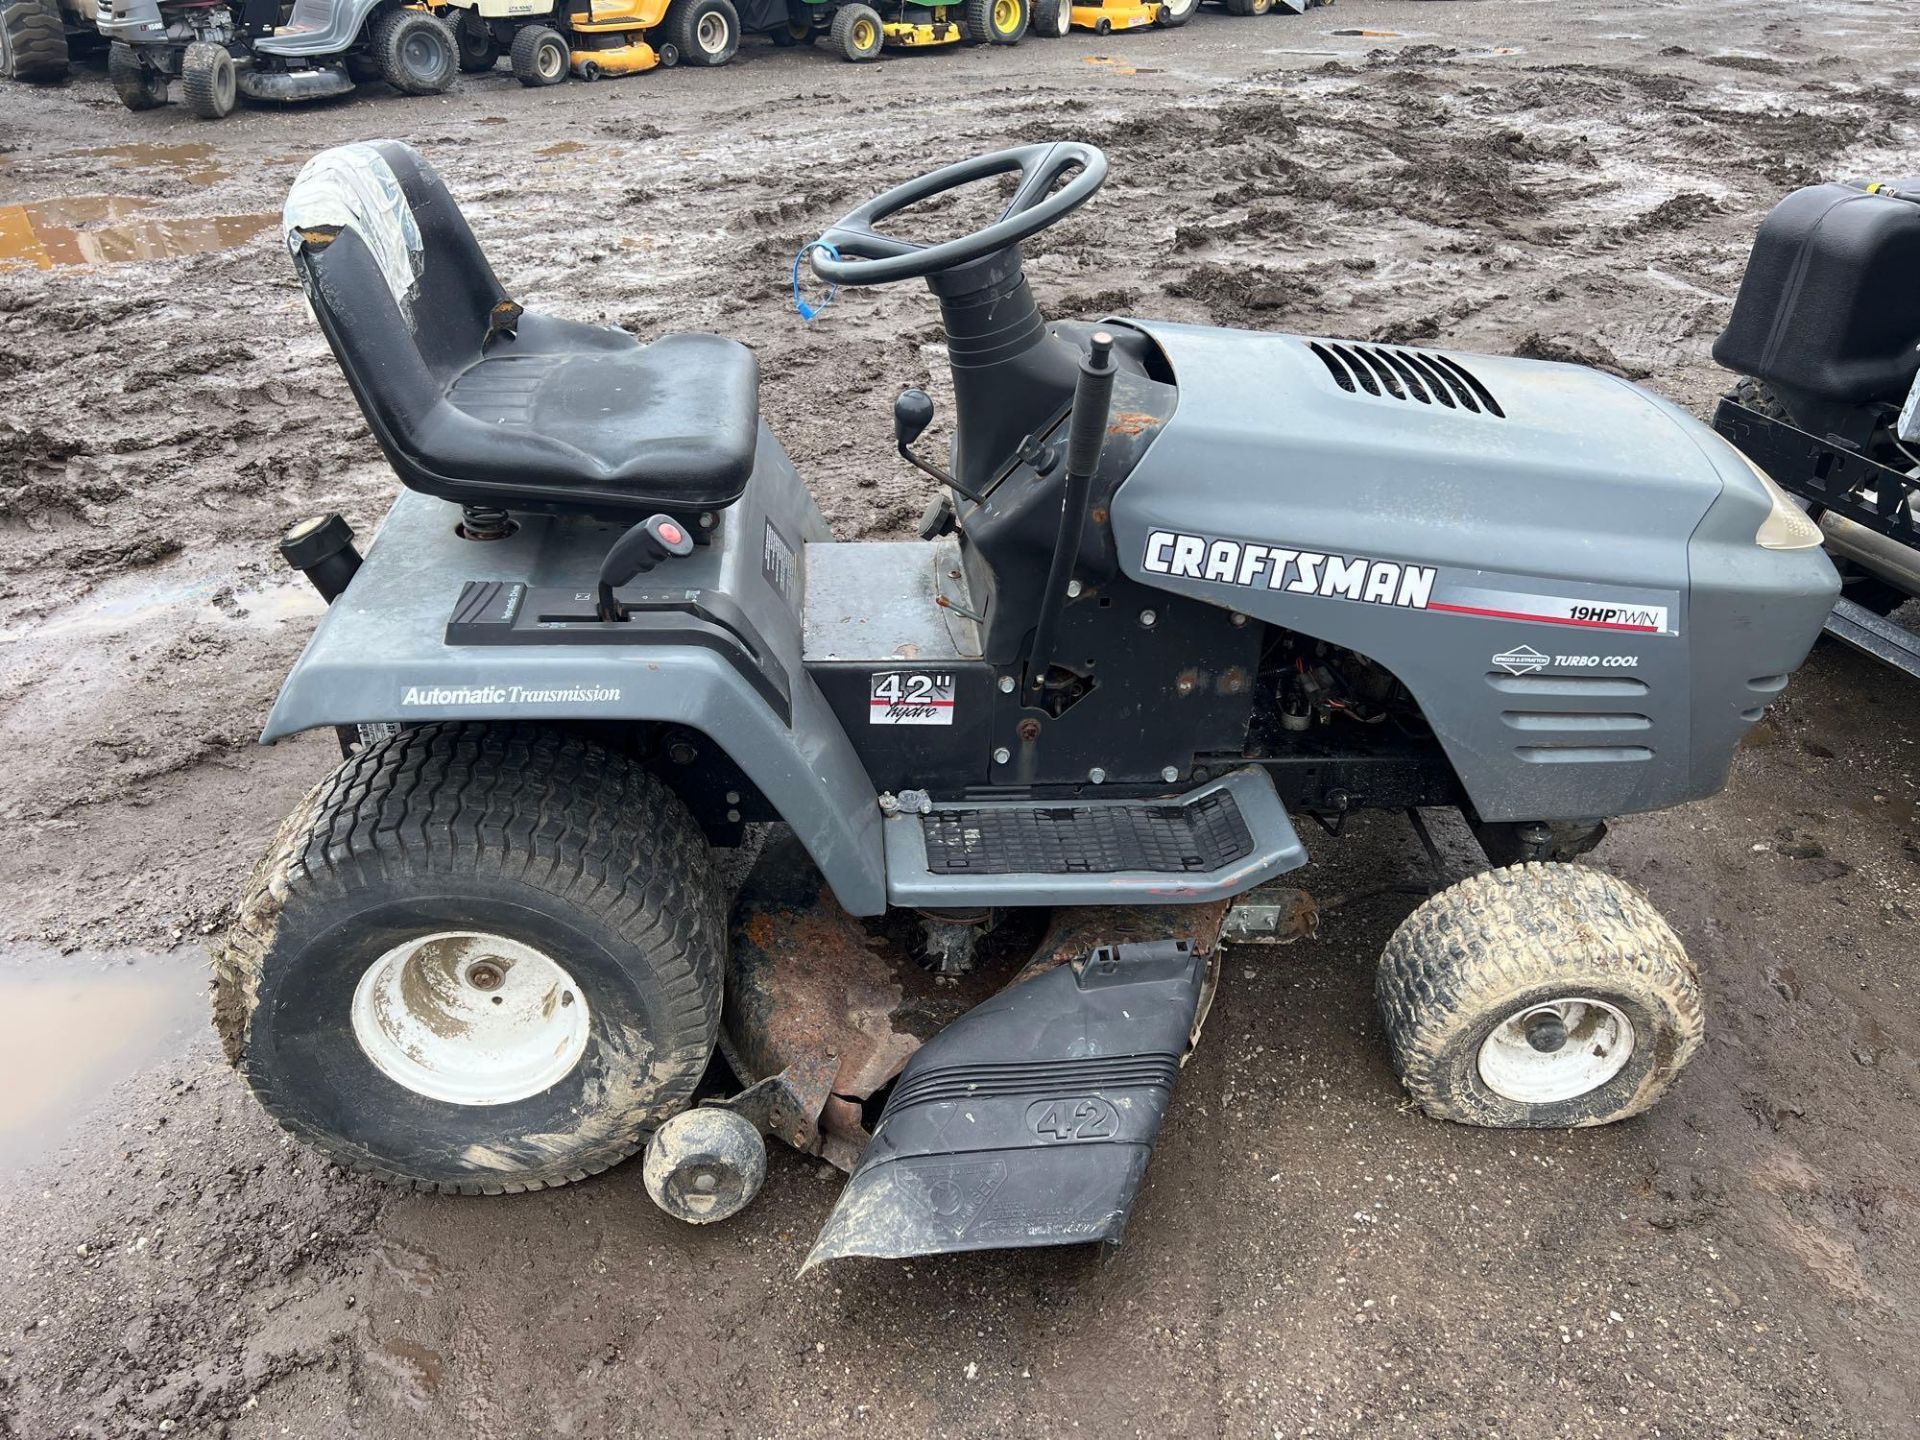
1030 1119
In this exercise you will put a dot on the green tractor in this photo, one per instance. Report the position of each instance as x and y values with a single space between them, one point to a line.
37 37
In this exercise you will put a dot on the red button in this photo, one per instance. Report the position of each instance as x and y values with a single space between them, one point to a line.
671 534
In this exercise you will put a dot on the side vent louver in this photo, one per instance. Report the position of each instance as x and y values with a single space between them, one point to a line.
1397 374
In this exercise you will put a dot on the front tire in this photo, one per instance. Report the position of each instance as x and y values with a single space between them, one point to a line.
416 52
139 86
477 959
857 32
1051 19
994 22
539 56
209 81
705 32
479 49
1538 996
1175 13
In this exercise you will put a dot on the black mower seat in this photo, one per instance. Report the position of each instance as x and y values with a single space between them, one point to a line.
478 402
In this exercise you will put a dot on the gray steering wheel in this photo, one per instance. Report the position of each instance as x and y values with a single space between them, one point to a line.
866 257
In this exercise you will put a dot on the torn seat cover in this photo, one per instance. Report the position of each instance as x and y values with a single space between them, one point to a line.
1030 1119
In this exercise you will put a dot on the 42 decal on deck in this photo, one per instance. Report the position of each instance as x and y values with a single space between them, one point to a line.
1326 575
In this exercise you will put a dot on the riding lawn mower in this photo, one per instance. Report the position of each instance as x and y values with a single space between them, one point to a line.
219 51
545 41
1055 18
1015 784
1825 334
858 31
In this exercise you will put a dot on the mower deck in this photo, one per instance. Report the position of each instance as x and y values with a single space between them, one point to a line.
1122 15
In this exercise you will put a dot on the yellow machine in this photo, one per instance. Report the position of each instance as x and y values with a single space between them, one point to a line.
1055 17
1104 19
545 40
859 31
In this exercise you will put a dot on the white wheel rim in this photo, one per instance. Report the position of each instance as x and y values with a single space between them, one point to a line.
712 32
553 60
1598 1043
469 1018
1065 21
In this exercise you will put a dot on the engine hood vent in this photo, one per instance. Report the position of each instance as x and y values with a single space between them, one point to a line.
1394 373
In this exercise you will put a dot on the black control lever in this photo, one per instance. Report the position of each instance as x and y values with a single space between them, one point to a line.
1086 438
654 539
912 413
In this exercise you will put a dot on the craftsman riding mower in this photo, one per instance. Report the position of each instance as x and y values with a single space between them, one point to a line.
860 31
1825 334
219 51
545 40
1176 587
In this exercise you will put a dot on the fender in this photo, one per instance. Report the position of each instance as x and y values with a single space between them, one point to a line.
379 656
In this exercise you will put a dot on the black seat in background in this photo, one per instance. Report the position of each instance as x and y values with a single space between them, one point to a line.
555 416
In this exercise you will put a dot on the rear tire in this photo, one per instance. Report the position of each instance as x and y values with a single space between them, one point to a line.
33 42
138 86
209 81
857 32
1050 19
416 52
539 56
479 50
1538 996
355 989
705 32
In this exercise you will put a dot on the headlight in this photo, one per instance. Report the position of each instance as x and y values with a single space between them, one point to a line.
1786 526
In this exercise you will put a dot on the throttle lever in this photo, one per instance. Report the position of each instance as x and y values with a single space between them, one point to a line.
656 538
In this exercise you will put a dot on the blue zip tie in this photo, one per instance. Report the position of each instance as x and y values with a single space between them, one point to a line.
808 312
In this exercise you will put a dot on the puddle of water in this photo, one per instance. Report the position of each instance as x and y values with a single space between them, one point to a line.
109 229
192 162
210 599
74 1026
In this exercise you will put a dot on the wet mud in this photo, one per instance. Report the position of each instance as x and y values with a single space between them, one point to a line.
1309 1255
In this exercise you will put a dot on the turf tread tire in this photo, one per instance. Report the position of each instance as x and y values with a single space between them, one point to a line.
209 83
587 828
683 29
523 56
388 37
138 87
479 50
976 23
845 20
1469 956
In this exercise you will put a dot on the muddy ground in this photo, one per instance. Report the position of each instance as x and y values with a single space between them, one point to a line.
1310 1256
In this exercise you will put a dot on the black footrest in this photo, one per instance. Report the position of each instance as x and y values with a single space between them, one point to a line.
1879 637
1168 836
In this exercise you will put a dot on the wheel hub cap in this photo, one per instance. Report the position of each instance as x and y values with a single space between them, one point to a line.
1556 1051
712 33
469 1018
